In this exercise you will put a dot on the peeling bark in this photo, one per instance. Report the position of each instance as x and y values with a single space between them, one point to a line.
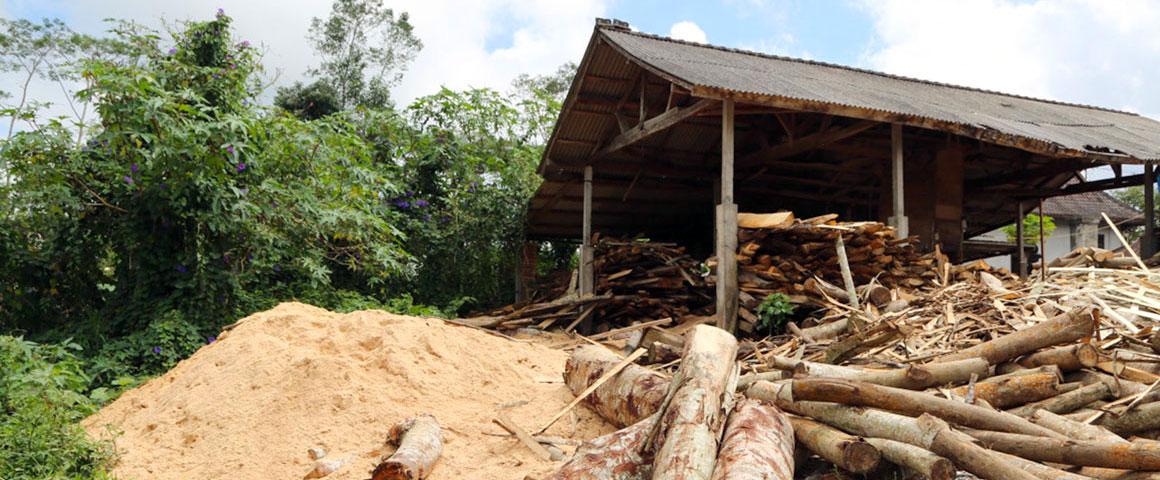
758 444
837 447
626 399
913 377
1125 455
420 442
1014 391
1068 401
917 459
693 423
616 456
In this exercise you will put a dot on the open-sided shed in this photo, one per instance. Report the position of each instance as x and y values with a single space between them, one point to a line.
660 136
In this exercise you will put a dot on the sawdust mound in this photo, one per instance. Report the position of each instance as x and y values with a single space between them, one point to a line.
249 405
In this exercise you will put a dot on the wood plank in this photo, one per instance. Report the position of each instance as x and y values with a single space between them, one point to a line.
803 144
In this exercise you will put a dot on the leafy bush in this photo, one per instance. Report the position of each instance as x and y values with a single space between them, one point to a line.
1031 229
773 313
41 400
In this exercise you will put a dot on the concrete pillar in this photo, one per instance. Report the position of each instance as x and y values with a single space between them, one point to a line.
897 179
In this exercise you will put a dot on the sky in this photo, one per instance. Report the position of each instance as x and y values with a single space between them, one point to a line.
1102 52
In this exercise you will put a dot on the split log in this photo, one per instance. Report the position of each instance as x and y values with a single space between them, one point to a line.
839 448
758 444
1063 328
616 456
1068 401
926 431
1130 456
420 442
913 377
629 397
1013 391
913 403
693 423
917 459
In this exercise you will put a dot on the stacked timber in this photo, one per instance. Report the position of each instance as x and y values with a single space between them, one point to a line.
649 280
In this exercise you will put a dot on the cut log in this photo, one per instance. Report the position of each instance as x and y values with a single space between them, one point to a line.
1142 418
1120 387
1063 328
1013 391
913 377
1073 429
1039 470
839 448
693 423
1130 456
1068 401
926 432
1069 358
629 397
913 403
758 444
419 441
917 459
616 456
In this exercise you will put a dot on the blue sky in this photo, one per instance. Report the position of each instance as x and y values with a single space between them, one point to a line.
1103 52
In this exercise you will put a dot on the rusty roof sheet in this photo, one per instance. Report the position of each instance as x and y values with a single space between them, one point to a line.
1072 128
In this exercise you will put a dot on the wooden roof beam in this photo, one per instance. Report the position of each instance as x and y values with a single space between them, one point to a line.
803 144
654 125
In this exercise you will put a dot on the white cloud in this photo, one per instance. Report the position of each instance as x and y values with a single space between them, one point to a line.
688 31
1089 51
531 36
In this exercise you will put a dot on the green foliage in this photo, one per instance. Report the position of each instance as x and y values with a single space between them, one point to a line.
41 399
773 312
1031 229
308 102
1133 197
365 48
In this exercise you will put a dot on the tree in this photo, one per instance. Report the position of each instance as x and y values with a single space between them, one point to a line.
1031 229
365 50
540 97
308 102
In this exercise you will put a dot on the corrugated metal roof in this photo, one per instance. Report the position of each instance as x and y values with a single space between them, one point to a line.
1077 130
1088 206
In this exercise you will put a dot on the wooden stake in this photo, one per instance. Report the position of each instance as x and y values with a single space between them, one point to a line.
1127 246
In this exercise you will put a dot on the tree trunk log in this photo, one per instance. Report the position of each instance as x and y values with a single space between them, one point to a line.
917 459
1069 358
846 451
1063 328
420 442
914 403
1130 456
693 423
626 399
616 456
758 444
1013 391
1073 429
1037 469
1119 386
913 377
1143 417
926 432
1068 401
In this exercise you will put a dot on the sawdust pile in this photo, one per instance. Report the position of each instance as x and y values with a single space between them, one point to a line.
296 377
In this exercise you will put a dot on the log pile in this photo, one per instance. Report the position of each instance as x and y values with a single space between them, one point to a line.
972 373
649 280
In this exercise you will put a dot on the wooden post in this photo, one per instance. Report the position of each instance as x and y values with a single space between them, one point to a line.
1020 255
898 219
1148 243
727 288
586 251
1043 246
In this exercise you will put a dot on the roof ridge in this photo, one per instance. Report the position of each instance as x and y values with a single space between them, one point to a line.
619 29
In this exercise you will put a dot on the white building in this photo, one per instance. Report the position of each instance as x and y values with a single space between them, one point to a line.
1077 224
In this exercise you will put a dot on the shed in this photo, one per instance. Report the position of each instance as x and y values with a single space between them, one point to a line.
670 139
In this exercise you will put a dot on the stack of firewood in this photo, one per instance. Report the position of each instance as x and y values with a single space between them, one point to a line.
648 280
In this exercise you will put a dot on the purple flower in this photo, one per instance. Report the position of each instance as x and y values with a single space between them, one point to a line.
402 204
225 258
133 168
243 191
128 180
210 339
216 76
421 203
173 50
181 268
230 148
241 167
221 12
277 268
157 350
245 43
